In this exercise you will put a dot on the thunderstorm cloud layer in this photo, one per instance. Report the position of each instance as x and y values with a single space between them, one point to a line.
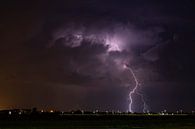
71 55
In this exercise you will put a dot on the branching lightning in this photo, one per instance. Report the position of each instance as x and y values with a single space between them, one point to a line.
145 109
134 91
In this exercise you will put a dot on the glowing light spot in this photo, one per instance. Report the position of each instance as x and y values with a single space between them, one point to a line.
113 43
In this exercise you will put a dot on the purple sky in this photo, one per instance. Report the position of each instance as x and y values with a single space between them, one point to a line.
70 54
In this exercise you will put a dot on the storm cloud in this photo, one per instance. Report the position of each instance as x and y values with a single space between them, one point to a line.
71 54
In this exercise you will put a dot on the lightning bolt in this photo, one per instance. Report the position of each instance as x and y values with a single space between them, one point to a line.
134 91
145 106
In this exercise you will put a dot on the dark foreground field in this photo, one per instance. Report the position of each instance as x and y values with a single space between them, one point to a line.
101 122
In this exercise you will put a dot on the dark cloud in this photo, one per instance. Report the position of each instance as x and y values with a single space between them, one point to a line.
71 53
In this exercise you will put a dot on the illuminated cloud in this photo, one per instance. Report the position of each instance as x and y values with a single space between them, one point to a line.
53 51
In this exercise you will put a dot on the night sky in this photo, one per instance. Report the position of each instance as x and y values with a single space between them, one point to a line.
70 54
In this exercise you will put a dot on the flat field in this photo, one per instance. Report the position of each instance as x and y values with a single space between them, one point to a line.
102 122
